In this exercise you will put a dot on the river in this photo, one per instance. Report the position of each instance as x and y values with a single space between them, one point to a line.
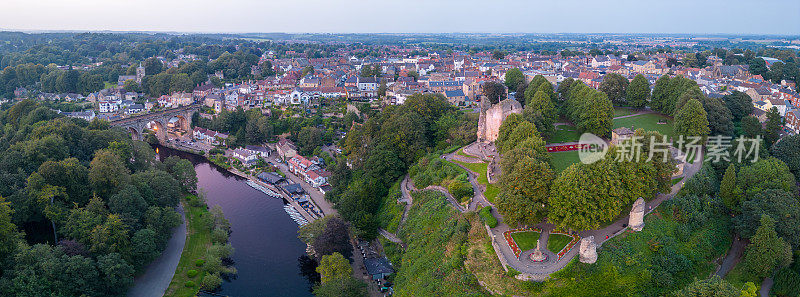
269 258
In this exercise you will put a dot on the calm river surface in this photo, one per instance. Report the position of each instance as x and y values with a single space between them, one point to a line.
268 256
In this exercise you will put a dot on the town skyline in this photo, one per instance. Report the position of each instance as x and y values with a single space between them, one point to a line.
777 17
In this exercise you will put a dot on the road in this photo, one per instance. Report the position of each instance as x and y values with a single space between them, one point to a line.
157 276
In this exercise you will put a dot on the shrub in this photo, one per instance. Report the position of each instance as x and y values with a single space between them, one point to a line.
512 272
189 284
191 273
487 218
211 281
199 262
462 191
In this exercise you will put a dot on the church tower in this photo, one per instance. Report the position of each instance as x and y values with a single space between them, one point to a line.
139 73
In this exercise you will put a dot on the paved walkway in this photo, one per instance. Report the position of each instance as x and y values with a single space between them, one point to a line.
766 286
733 257
157 276
635 114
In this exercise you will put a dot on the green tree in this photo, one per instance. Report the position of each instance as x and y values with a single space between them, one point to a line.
614 85
129 204
110 237
776 204
767 252
144 248
691 120
107 173
751 127
341 287
334 266
498 55
729 191
638 92
766 173
514 78
574 205
10 238
772 129
711 287
788 151
117 274
494 91
152 66
740 104
525 190
542 113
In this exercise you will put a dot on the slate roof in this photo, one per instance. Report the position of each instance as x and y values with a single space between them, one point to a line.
376 266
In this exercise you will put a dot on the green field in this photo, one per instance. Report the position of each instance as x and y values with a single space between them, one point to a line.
648 122
623 111
556 242
525 240
562 160
198 239
565 133
480 168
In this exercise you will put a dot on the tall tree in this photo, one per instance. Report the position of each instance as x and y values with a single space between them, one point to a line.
614 85
514 78
729 191
638 92
542 112
494 91
334 266
739 104
525 190
751 127
772 130
107 173
691 120
788 151
767 252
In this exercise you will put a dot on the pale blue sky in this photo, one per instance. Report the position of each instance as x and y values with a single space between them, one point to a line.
534 16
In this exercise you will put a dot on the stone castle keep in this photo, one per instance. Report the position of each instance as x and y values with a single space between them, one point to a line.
492 117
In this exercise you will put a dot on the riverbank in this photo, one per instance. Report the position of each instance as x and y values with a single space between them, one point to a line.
198 239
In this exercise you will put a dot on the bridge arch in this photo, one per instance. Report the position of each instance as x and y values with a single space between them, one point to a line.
135 134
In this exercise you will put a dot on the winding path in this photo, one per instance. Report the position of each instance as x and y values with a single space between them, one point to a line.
157 276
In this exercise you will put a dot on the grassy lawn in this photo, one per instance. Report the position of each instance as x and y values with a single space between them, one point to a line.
461 152
676 180
738 277
648 122
622 111
197 242
556 242
480 168
525 240
565 133
562 160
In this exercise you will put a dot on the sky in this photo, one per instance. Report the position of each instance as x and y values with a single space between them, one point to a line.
780 17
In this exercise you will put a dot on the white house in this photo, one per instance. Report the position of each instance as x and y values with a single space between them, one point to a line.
245 156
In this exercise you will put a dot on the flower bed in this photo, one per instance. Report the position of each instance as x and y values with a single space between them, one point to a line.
568 247
564 148
510 240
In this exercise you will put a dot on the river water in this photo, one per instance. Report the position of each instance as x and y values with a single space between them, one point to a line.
269 258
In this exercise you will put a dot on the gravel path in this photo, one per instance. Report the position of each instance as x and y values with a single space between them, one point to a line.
732 258
157 276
